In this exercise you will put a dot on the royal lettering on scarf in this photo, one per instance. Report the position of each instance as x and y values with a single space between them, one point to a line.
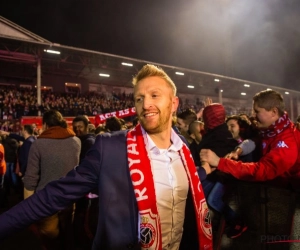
143 184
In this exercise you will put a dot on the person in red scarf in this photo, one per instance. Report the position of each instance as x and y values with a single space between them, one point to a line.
150 194
279 164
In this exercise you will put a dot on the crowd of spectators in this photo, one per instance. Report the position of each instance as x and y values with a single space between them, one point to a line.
223 138
17 102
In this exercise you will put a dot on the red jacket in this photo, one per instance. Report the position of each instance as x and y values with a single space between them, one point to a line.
279 161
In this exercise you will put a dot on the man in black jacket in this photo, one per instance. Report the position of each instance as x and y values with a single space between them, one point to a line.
80 128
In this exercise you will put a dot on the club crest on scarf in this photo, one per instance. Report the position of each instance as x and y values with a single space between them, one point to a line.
205 217
147 230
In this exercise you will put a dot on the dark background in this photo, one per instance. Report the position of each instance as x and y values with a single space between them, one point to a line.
255 40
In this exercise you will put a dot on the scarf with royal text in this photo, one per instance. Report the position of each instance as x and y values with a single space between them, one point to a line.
143 184
276 128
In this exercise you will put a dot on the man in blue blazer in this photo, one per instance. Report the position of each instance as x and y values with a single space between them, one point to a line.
150 194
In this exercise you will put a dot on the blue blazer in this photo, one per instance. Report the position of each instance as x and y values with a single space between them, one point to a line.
105 167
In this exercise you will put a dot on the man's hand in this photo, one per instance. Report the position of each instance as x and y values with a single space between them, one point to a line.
208 169
207 101
210 157
200 113
234 154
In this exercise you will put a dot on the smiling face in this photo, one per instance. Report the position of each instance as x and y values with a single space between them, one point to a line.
181 125
79 128
234 128
263 117
155 103
268 106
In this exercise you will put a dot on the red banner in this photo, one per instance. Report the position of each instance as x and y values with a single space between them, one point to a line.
120 114
98 119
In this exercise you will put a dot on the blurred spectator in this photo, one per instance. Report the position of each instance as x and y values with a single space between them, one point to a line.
184 119
80 127
100 129
35 129
113 124
91 128
196 130
135 121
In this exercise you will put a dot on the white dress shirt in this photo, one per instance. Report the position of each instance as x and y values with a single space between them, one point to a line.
171 188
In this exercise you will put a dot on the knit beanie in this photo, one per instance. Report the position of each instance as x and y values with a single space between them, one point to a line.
213 115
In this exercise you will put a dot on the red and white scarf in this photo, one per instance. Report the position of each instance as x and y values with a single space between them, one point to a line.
143 184
277 127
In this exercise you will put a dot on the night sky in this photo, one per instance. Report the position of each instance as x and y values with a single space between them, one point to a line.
255 40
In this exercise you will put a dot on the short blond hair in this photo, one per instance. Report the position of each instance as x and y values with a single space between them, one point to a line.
269 99
149 70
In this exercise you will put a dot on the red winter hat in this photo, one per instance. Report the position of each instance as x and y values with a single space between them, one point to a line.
213 115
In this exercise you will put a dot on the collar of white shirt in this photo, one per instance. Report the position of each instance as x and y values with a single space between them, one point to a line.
176 145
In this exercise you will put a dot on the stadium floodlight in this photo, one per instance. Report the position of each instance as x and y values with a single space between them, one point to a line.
243 93
52 51
179 73
127 64
247 85
104 75
190 86
217 80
